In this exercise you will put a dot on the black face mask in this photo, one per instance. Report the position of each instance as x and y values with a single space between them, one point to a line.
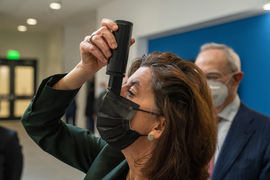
113 121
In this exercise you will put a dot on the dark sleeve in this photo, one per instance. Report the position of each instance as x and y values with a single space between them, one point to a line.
42 121
89 110
14 158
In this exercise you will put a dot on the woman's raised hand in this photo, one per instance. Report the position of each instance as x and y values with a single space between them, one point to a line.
95 51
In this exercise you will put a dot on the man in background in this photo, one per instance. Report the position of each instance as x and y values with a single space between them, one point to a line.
102 91
71 113
11 158
243 149
97 103
90 107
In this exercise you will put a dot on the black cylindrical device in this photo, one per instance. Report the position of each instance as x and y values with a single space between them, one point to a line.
116 67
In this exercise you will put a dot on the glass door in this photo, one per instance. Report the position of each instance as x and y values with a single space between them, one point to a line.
4 90
17 87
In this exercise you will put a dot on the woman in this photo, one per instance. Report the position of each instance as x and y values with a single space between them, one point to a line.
172 124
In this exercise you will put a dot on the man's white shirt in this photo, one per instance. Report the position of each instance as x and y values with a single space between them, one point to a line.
227 115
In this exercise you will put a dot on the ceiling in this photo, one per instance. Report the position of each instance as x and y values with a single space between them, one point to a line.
73 12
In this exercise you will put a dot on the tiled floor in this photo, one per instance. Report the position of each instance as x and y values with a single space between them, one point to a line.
38 165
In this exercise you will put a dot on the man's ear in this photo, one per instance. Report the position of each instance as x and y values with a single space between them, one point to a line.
158 128
237 77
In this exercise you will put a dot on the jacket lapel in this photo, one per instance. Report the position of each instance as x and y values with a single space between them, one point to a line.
118 173
106 161
239 134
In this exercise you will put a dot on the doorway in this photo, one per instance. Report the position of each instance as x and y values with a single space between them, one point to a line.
17 87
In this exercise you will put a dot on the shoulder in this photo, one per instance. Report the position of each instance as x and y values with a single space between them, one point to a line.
5 132
8 137
253 112
253 117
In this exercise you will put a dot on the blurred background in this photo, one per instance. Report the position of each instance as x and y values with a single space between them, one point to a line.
38 39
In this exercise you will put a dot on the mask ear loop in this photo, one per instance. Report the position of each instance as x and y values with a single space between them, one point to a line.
229 79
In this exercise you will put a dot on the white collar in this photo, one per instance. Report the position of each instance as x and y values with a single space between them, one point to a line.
229 112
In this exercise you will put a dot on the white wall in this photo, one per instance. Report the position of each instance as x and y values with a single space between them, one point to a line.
72 37
55 54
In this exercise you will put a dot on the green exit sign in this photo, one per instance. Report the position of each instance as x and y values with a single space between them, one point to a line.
13 55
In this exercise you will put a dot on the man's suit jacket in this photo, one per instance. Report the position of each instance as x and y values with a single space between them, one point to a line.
11 159
245 154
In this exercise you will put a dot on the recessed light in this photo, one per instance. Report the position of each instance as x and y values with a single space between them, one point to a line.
31 21
55 6
266 6
22 28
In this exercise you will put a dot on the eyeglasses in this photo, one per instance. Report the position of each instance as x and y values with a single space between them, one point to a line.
146 111
214 76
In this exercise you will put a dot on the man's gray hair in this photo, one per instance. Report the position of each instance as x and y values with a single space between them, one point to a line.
234 63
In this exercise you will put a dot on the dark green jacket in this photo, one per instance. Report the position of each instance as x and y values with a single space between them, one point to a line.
72 145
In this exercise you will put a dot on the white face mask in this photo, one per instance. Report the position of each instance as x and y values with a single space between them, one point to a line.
219 91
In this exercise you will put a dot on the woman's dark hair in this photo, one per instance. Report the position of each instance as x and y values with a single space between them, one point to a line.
183 97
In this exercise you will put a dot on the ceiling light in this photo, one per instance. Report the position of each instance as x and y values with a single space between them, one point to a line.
55 6
266 7
22 28
31 21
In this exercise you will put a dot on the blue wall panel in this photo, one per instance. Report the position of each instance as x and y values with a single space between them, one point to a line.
250 38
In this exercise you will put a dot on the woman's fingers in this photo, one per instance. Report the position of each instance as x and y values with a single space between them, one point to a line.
108 37
89 50
104 39
132 41
95 51
110 24
102 44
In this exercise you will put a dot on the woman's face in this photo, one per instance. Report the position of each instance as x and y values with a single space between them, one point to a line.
137 89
